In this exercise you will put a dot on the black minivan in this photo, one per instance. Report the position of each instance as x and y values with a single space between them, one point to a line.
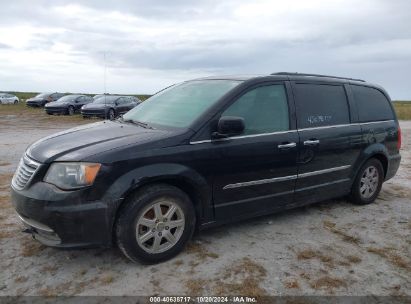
203 153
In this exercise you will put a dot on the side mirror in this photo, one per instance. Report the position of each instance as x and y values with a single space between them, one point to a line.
229 126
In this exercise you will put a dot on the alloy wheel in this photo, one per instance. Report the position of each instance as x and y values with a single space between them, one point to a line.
369 182
111 115
160 226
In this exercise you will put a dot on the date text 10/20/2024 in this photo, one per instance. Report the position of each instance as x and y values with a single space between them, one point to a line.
203 299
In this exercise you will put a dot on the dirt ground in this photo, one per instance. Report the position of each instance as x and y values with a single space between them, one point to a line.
330 248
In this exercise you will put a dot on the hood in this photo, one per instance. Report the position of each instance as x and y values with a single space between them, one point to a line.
35 99
96 106
56 103
79 143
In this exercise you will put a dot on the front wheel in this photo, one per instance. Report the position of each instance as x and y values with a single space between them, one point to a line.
367 184
70 110
155 224
16 102
111 114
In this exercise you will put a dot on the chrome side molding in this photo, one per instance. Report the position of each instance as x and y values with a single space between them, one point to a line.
260 182
284 178
329 170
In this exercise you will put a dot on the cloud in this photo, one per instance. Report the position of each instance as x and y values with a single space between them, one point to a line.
170 40
4 46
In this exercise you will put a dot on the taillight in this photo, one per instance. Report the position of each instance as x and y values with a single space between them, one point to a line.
399 139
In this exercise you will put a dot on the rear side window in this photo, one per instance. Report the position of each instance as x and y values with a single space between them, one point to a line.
372 104
321 105
264 110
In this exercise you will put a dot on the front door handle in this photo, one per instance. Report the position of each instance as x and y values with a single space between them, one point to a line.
287 146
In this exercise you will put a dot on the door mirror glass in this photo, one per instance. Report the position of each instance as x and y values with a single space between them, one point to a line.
230 126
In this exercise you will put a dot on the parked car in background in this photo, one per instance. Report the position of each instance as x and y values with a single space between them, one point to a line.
109 106
68 104
206 152
6 98
41 99
100 95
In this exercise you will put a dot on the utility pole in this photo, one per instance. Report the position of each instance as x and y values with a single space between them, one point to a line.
105 74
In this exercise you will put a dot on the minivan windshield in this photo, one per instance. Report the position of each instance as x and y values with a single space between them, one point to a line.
179 105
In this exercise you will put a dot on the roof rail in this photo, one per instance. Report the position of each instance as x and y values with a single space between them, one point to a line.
315 75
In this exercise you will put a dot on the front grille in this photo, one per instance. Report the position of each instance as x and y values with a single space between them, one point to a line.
24 173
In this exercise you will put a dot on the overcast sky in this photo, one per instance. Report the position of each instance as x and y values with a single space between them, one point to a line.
60 45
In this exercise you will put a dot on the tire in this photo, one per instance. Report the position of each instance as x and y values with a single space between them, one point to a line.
16 102
111 114
368 182
70 110
143 207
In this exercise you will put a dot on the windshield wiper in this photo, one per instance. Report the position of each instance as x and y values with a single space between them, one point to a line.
139 123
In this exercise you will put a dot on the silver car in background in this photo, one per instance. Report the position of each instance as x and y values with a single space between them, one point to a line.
6 98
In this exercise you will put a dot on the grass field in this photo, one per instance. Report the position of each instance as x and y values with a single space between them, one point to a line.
21 111
403 109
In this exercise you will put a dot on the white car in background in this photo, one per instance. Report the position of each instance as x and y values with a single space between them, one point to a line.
6 98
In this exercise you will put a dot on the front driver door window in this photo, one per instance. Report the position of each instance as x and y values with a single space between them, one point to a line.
264 109
253 171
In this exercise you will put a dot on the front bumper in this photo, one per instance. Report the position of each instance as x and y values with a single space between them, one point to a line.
94 113
34 103
60 110
63 218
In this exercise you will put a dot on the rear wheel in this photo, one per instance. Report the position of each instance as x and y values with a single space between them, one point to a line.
155 224
367 184
16 101
70 110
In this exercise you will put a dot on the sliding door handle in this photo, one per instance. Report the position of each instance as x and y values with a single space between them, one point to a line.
311 142
287 146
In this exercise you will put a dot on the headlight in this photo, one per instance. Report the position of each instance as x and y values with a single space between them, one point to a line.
72 175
